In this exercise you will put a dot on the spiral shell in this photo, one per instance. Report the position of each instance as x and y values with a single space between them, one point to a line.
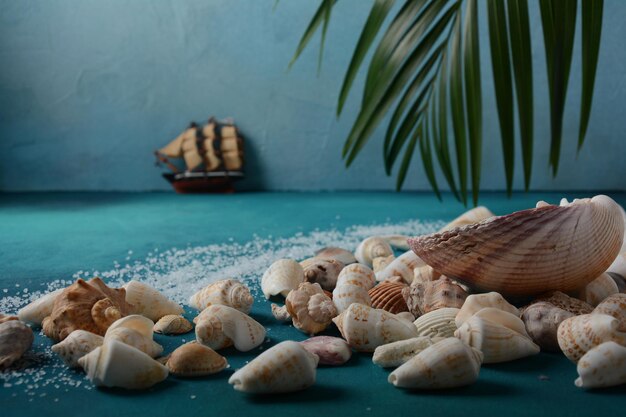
598 289
438 323
530 251
388 296
422 298
330 350
402 266
370 248
353 285
380 263
172 324
578 335
194 360
310 309
281 277
36 311
336 254
395 354
542 321
219 327
477 302
149 302
76 345
322 271
602 366
614 305
227 292
15 339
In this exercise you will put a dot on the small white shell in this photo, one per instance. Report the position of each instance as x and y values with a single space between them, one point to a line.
370 248
281 277
172 324
330 350
353 284
579 334
602 366
35 312
76 345
397 241
310 309
475 302
337 254
228 292
395 354
220 326
437 323
193 360
402 266
598 289
135 339
286 367
149 302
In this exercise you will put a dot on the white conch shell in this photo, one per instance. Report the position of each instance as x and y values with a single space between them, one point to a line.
380 263
475 302
395 354
281 277
475 215
116 364
286 367
228 292
446 364
136 331
310 309
614 305
353 284
402 266
499 335
370 248
532 251
366 328
139 323
76 345
602 366
220 326
437 323
149 302
598 289
579 334
35 312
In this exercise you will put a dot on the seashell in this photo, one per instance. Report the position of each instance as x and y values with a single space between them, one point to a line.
603 366
395 354
542 321
579 334
286 367
330 350
437 323
473 216
499 335
620 281
446 364
219 327
310 309
149 302
136 331
388 296
353 285
475 302
172 324
366 328
370 248
322 271
280 313
422 298
227 292
76 345
567 303
598 289
194 360
141 324
116 364
336 254
5 317
425 273
35 312
281 277
15 339
619 264
406 316
531 251
614 305
402 266
397 241
380 263
85 305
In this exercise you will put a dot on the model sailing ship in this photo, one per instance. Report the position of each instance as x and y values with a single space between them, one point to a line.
212 155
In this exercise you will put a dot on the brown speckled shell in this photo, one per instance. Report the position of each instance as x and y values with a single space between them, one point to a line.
564 301
424 297
194 360
388 296
172 324
542 321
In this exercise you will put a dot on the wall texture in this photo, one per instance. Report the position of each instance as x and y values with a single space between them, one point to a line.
88 89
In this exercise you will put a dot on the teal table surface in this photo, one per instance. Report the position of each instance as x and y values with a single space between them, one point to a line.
56 237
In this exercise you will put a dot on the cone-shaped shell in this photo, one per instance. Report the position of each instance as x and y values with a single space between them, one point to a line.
35 312
380 263
281 277
366 328
565 302
446 364
578 335
531 251
542 321
149 302
310 309
395 354
475 302
15 339
439 323
422 298
602 366
598 289
322 271
172 324
116 364
614 305
337 254
330 350
473 216
219 327
388 296
286 367
353 285
402 266
76 345
370 248
227 292
195 360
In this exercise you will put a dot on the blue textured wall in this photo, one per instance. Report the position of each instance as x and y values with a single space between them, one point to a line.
89 88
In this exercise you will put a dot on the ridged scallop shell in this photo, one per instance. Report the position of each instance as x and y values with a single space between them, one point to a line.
136 331
402 266
219 327
395 354
353 285
195 360
473 216
370 248
36 311
437 323
530 251
322 271
15 339
280 313
227 292
85 305
281 277
149 302
380 263
388 296
337 254
422 298
310 309
564 301
286 367
330 350
446 364
499 335
598 289
116 364
366 328
603 366
542 321
76 345
475 302
172 324
614 305
578 335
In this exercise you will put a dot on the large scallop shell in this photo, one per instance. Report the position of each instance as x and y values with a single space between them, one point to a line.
388 296
577 335
439 323
36 311
598 289
395 354
330 350
353 285
76 345
542 321
149 302
531 251
219 327
193 360
310 309
476 302
602 366
422 298
227 292
322 271
402 266
281 277
370 248
15 339
614 305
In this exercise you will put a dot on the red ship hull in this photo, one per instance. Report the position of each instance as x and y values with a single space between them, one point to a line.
204 182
